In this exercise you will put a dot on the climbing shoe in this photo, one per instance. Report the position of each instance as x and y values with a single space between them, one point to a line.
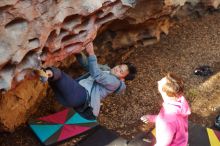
217 122
203 71
42 75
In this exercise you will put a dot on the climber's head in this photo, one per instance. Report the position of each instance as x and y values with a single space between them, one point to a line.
125 71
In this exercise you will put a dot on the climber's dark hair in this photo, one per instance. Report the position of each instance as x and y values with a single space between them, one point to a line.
132 71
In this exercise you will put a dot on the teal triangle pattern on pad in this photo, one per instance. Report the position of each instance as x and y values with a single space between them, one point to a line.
77 119
48 130
60 126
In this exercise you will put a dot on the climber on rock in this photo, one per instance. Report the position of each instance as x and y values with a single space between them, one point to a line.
85 93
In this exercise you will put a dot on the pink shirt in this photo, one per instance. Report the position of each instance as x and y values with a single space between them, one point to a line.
172 123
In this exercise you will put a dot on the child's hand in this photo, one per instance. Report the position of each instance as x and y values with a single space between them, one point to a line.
145 119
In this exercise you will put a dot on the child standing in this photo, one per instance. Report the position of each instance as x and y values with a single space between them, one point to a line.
172 120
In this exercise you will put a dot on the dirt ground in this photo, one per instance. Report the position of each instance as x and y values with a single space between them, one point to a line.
190 43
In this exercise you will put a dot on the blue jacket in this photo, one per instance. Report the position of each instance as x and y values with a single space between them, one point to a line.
104 83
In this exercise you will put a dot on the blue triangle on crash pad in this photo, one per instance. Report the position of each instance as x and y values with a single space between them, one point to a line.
77 119
43 132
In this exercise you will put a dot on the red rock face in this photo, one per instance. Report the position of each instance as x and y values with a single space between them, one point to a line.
49 29
55 29
43 32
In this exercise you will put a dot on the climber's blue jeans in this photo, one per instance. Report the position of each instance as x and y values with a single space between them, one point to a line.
67 90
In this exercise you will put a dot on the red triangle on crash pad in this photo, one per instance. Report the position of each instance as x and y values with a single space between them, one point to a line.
71 130
217 133
58 118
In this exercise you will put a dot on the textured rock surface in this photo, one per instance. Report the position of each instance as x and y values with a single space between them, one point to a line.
55 29
18 104
50 29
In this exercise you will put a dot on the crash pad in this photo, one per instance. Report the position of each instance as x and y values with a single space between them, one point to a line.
103 137
60 126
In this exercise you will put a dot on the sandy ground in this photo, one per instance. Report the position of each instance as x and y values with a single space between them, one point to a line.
190 43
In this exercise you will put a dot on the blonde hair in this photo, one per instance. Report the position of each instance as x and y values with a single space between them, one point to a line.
174 85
